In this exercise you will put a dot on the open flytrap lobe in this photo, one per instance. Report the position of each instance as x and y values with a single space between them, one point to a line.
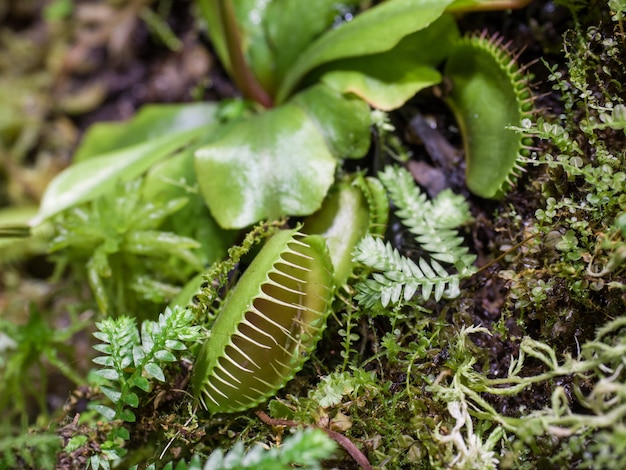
268 325
490 93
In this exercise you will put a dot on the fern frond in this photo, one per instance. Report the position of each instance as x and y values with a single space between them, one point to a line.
304 448
132 359
433 223
399 277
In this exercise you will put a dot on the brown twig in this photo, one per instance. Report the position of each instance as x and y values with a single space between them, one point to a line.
340 439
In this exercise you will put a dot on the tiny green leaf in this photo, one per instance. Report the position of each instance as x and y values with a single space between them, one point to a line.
111 394
128 416
165 356
122 433
107 412
106 361
110 374
140 382
131 399
153 370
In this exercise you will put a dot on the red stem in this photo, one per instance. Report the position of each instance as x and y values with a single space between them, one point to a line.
242 74
340 439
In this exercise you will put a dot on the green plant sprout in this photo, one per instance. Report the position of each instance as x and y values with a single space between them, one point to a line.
131 361
397 278
25 349
117 239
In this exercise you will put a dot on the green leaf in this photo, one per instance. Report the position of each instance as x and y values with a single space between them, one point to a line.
165 356
174 178
273 164
140 382
307 447
106 361
153 370
377 30
110 374
249 15
91 178
389 87
344 121
151 121
122 433
74 443
387 80
175 344
294 24
111 394
131 399
128 416
107 412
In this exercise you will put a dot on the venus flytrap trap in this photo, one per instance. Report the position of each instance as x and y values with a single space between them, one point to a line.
268 325
489 90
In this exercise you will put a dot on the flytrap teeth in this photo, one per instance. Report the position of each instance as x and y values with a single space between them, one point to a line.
268 325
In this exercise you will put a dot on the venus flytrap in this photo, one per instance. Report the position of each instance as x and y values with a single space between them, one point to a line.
268 324
313 80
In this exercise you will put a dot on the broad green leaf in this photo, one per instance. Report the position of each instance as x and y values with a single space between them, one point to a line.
376 30
91 178
344 121
249 15
273 33
464 6
387 80
389 87
267 166
294 25
150 122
